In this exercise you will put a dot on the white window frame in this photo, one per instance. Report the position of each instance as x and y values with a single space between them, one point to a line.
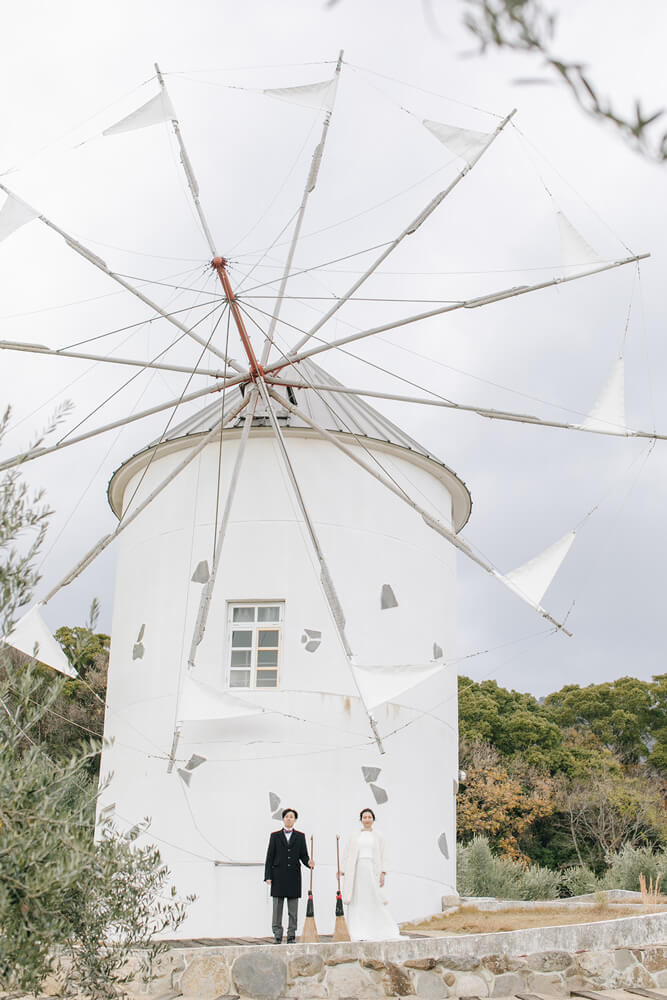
255 627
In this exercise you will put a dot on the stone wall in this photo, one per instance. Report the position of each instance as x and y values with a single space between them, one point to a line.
625 952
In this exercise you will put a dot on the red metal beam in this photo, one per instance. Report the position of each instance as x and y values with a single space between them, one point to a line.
219 264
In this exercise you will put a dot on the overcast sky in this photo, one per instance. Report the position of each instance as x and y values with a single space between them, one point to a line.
69 70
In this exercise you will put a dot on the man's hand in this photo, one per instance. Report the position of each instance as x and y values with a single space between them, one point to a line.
268 881
381 879
311 863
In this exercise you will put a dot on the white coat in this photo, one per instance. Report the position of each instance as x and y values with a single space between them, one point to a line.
349 866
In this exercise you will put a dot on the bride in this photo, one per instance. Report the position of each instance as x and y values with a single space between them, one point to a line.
368 918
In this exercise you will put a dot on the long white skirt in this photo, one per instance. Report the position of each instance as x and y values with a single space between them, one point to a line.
368 918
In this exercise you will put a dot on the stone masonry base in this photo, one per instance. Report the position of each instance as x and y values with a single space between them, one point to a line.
610 954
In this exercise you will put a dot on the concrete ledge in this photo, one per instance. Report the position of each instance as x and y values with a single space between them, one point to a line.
492 903
626 932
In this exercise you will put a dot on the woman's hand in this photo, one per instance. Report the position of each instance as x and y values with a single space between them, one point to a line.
382 874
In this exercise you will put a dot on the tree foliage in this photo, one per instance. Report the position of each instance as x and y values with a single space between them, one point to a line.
61 892
23 523
501 802
529 26
570 780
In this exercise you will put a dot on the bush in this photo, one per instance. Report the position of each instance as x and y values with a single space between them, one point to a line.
579 880
539 883
124 903
60 891
626 865
482 873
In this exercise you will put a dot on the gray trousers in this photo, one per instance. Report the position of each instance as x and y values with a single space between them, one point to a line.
292 909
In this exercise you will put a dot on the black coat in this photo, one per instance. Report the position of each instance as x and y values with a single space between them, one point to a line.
283 863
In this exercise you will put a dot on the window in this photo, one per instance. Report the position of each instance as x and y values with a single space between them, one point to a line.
254 648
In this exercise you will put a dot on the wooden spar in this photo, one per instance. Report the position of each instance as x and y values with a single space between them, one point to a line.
412 227
429 519
189 172
15 345
28 456
125 521
219 264
310 927
475 303
311 181
101 265
481 411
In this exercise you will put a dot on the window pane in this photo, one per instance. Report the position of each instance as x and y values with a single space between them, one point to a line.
243 615
267 658
241 658
271 614
242 639
268 637
267 678
239 678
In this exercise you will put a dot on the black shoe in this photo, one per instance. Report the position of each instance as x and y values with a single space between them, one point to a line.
277 940
291 940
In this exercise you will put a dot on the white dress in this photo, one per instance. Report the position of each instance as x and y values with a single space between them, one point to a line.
368 918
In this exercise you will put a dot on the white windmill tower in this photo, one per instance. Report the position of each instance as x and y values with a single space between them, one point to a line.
284 621
277 702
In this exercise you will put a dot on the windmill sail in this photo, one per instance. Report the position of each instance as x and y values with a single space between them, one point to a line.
531 581
381 684
464 142
576 252
32 636
159 109
203 703
14 214
312 95
608 413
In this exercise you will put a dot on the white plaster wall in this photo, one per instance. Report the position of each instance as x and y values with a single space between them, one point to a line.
310 745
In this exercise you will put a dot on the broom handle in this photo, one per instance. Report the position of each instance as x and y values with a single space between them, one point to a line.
312 859
338 859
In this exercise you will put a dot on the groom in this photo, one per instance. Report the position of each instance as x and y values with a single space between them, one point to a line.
282 871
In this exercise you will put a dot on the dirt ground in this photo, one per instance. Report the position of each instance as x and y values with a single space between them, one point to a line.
468 920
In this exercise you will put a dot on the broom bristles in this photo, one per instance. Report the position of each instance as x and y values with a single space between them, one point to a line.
341 932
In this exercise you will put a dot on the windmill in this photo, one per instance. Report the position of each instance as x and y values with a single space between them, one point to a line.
284 615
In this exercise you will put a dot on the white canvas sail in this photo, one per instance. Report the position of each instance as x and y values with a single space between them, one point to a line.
464 142
531 581
14 214
574 248
312 95
203 703
380 684
32 636
158 109
608 413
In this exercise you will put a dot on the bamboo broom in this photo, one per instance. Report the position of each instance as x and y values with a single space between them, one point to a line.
341 932
310 927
